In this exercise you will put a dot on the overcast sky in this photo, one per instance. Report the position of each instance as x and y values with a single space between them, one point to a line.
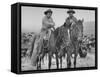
32 17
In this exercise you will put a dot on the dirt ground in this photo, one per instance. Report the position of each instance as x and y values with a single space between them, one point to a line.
88 61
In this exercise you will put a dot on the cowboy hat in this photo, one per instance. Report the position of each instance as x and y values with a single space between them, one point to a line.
71 11
48 11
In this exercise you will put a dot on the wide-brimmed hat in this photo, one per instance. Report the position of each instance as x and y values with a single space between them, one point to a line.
48 11
71 11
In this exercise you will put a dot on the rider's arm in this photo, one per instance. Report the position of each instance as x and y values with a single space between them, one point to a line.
47 23
53 24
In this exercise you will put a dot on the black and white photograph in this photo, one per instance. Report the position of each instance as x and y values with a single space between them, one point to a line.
57 38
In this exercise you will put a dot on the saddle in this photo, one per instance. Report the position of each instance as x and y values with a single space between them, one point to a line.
46 40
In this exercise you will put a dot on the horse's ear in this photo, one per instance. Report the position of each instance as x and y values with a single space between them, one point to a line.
64 24
82 20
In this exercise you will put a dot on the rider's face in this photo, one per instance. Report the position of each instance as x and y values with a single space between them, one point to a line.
49 14
70 14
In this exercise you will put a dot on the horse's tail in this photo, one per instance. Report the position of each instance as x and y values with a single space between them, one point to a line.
32 46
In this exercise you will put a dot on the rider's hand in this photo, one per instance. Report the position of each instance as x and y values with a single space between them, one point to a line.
49 26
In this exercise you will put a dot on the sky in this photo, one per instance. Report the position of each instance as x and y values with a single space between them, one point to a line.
32 17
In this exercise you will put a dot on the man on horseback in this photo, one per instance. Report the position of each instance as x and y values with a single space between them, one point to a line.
47 24
71 16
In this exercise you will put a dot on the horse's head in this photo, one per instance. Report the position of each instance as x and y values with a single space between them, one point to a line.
80 28
77 29
67 23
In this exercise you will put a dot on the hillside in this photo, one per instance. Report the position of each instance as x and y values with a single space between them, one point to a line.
89 28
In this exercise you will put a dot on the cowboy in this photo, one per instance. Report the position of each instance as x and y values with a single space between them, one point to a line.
71 16
47 23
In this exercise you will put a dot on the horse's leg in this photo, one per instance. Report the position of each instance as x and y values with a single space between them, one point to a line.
76 53
37 62
46 56
75 60
60 62
68 62
68 59
42 58
57 62
49 61
40 63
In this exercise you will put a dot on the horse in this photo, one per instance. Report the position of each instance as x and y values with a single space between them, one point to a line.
52 48
70 37
45 47
44 51
64 45
48 47
76 34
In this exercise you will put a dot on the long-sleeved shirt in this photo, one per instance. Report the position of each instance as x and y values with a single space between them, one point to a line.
47 23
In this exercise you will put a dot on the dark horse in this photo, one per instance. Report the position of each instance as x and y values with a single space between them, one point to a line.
63 43
53 48
76 33
47 47
70 44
